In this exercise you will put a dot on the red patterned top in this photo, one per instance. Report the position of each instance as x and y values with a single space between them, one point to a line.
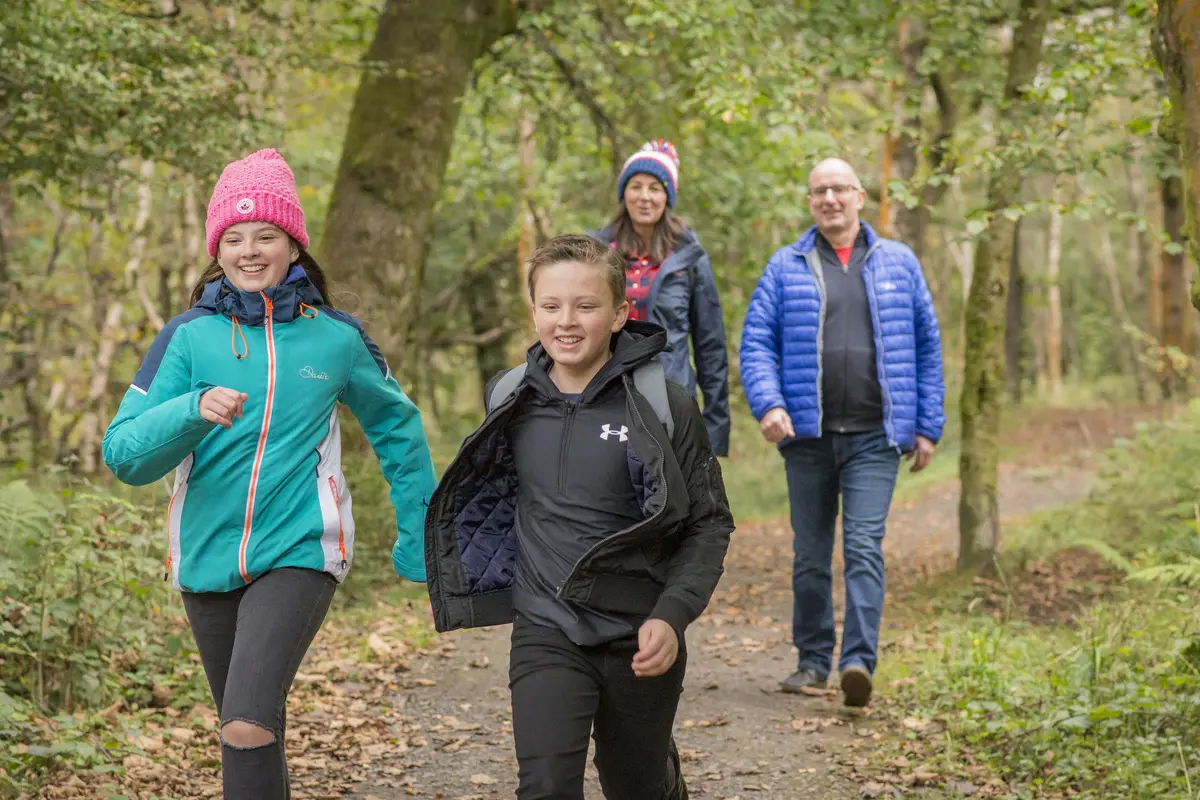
640 272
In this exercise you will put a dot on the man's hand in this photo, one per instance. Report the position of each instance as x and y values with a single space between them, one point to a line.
658 647
221 405
776 425
921 455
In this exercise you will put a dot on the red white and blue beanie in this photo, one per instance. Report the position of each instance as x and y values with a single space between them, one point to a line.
657 158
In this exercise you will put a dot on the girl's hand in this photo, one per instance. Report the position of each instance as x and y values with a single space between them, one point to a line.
658 647
221 405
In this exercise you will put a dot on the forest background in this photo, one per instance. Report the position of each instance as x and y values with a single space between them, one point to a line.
1040 157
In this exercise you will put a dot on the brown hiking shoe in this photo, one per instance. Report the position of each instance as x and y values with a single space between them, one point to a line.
856 686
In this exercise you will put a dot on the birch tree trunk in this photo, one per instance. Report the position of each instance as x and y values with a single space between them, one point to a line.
96 413
1054 318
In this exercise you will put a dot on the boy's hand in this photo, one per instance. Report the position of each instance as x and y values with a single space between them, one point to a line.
658 647
220 405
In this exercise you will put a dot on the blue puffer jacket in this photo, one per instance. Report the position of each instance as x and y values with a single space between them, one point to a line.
781 340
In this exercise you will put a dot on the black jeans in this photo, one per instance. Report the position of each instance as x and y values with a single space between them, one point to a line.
251 641
561 692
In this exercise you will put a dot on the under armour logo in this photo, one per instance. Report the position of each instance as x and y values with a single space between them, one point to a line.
621 434
307 372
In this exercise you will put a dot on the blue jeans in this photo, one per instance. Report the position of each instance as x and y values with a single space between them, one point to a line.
862 468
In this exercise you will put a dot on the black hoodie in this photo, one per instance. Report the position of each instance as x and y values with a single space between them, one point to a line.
576 490
660 555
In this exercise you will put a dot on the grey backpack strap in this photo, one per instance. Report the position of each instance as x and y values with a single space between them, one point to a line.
651 382
506 385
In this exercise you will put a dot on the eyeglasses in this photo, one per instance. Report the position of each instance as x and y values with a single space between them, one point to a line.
839 189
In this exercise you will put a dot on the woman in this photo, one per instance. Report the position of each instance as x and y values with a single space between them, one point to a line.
669 281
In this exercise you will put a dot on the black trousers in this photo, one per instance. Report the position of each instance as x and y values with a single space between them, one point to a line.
562 692
251 642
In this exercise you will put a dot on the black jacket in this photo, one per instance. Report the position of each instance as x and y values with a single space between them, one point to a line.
685 302
664 566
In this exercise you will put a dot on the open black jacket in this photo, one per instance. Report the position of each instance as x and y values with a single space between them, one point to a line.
666 566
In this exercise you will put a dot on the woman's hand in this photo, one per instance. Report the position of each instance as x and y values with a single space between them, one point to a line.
658 647
221 405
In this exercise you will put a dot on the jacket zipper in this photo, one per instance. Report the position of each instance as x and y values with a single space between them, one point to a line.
337 505
888 424
262 440
818 271
566 446
558 590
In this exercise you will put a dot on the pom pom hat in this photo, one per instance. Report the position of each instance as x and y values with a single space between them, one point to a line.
657 158
259 188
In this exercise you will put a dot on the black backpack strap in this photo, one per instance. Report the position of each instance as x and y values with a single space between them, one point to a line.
506 386
651 382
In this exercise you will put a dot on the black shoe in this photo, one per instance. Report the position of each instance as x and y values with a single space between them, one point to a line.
680 790
803 678
856 686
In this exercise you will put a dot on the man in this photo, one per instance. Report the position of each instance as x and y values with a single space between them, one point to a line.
841 360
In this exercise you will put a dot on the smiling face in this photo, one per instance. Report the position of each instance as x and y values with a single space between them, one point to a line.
645 199
835 197
256 255
575 314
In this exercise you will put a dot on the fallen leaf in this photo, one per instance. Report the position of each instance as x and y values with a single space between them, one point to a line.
482 780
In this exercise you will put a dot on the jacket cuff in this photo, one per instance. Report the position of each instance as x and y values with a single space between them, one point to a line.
674 612
926 434
413 570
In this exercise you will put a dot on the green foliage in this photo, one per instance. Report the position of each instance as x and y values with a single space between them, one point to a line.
86 84
1105 710
1144 514
86 621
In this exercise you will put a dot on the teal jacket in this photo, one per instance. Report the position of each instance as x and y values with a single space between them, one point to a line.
269 492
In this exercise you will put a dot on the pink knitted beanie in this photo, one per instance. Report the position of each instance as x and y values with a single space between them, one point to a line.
259 188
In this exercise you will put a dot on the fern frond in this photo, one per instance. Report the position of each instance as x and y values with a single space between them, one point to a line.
23 511
1106 551
1182 573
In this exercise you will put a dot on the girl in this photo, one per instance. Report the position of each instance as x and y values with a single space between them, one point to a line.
239 396
575 515
670 281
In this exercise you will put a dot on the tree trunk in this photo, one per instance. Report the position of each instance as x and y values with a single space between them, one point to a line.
1014 328
1137 241
485 294
1054 317
193 242
908 222
395 152
1176 40
983 374
526 171
110 334
1127 346
1176 315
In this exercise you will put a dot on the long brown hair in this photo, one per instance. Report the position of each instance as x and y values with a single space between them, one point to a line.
666 235
315 274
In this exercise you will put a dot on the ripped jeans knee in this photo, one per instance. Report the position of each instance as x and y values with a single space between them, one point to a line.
244 734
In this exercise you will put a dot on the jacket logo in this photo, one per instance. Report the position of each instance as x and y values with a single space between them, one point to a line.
607 431
307 372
